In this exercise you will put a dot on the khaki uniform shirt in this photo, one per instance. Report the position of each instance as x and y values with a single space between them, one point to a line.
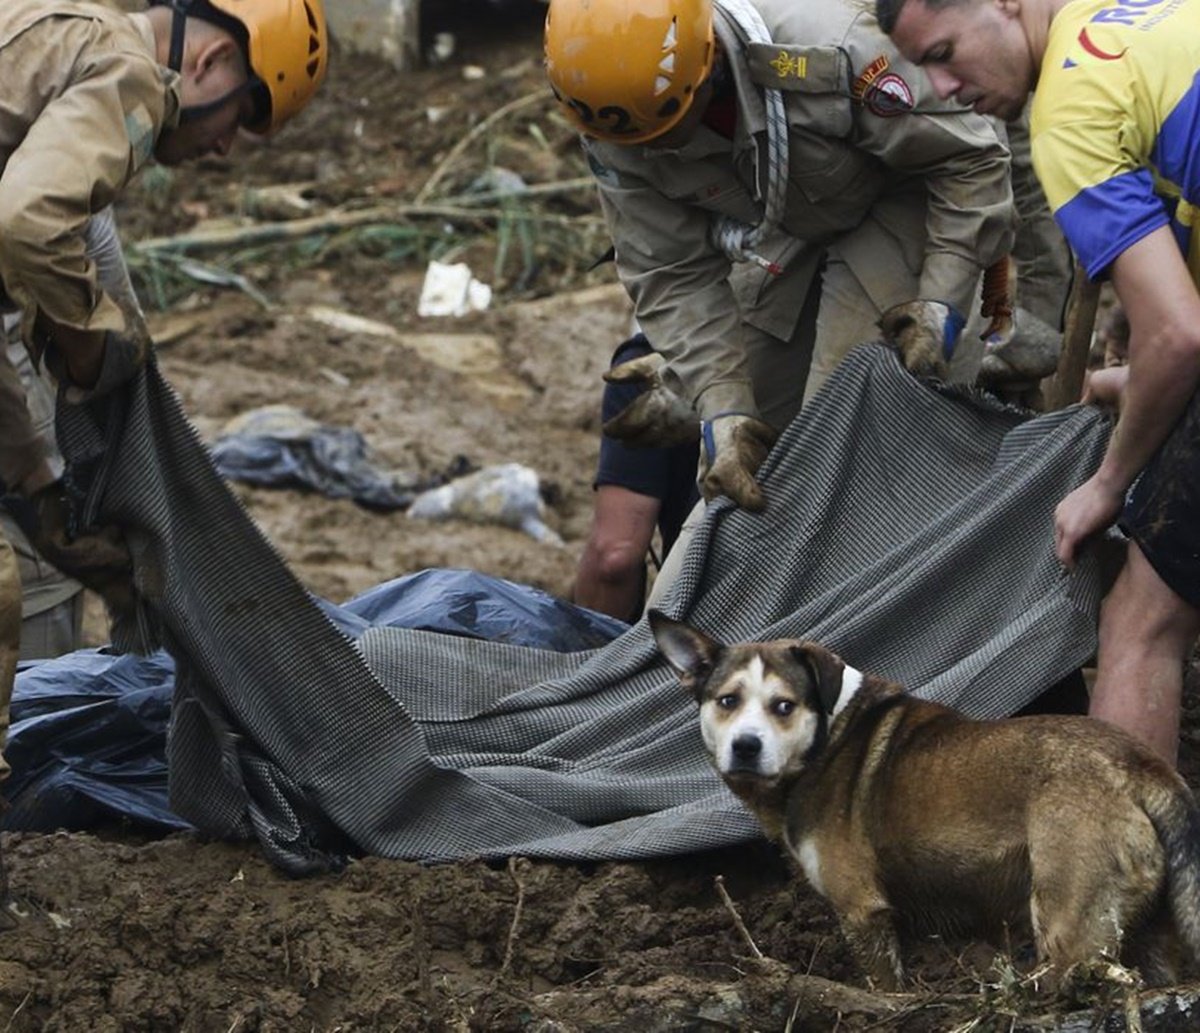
82 104
864 127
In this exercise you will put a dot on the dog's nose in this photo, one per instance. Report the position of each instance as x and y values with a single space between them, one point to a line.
747 747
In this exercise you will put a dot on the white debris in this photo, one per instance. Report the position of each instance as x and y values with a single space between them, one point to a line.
451 290
507 494
441 48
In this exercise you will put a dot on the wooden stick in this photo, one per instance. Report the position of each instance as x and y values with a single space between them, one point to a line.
516 920
332 222
719 881
1066 385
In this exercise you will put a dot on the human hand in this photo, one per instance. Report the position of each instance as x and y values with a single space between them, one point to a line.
85 359
658 417
98 559
925 333
1085 512
734 447
93 364
1023 351
1112 336
1106 387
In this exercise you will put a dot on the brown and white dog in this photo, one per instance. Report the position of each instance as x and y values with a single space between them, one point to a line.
901 811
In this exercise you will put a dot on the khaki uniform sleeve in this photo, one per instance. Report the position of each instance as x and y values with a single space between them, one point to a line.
962 159
679 283
76 157
22 449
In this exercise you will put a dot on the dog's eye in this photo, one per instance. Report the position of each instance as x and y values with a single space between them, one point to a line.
727 702
782 707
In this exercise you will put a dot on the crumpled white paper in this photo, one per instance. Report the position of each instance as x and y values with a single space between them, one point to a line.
451 290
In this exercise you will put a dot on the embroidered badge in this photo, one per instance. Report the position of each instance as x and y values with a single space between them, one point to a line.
864 82
889 96
788 67
883 93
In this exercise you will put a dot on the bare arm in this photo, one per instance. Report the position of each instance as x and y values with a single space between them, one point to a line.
1163 306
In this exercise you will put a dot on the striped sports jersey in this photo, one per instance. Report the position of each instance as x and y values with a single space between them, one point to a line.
1116 143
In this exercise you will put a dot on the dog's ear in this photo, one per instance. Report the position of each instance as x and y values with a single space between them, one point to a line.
691 652
826 668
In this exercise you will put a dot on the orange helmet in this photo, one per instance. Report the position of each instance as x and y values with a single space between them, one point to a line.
288 51
287 47
627 70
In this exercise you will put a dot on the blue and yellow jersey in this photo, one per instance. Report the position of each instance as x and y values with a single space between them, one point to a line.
1116 139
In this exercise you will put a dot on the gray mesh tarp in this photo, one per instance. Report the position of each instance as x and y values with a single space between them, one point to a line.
908 528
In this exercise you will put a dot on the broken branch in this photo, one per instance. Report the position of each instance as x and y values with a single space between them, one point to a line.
737 919
295 229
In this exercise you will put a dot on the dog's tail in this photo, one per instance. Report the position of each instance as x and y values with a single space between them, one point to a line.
1172 811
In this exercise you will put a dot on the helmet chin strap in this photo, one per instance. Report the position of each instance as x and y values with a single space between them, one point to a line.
180 11
193 112
179 16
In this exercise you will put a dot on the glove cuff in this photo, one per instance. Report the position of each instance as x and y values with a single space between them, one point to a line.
951 330
728 396
708 434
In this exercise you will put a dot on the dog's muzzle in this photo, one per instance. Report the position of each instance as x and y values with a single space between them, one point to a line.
744 753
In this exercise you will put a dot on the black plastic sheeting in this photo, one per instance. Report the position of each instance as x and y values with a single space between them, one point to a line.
284 449
88 737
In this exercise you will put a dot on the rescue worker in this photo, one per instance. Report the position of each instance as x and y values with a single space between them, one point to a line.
737 145
51 601
637 492
1115 147
89 95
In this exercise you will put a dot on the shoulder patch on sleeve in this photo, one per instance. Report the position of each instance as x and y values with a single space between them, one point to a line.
882 92
804 69
139 127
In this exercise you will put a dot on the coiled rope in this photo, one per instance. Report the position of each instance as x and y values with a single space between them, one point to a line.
736 238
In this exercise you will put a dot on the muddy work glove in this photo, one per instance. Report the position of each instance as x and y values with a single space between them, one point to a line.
94 372
658 417
733 447
97 558
1023 352
925 333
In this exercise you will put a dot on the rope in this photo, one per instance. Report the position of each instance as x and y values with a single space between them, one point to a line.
736 238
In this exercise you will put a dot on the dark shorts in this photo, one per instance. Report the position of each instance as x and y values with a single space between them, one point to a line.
1162 513
666 474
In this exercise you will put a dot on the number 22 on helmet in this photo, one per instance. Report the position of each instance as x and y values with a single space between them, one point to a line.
626 71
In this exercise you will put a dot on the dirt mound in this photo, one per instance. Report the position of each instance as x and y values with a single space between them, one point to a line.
182 935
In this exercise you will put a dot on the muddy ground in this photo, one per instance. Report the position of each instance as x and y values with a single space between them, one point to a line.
116 931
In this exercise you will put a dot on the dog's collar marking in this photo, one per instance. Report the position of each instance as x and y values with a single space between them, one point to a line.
851 683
